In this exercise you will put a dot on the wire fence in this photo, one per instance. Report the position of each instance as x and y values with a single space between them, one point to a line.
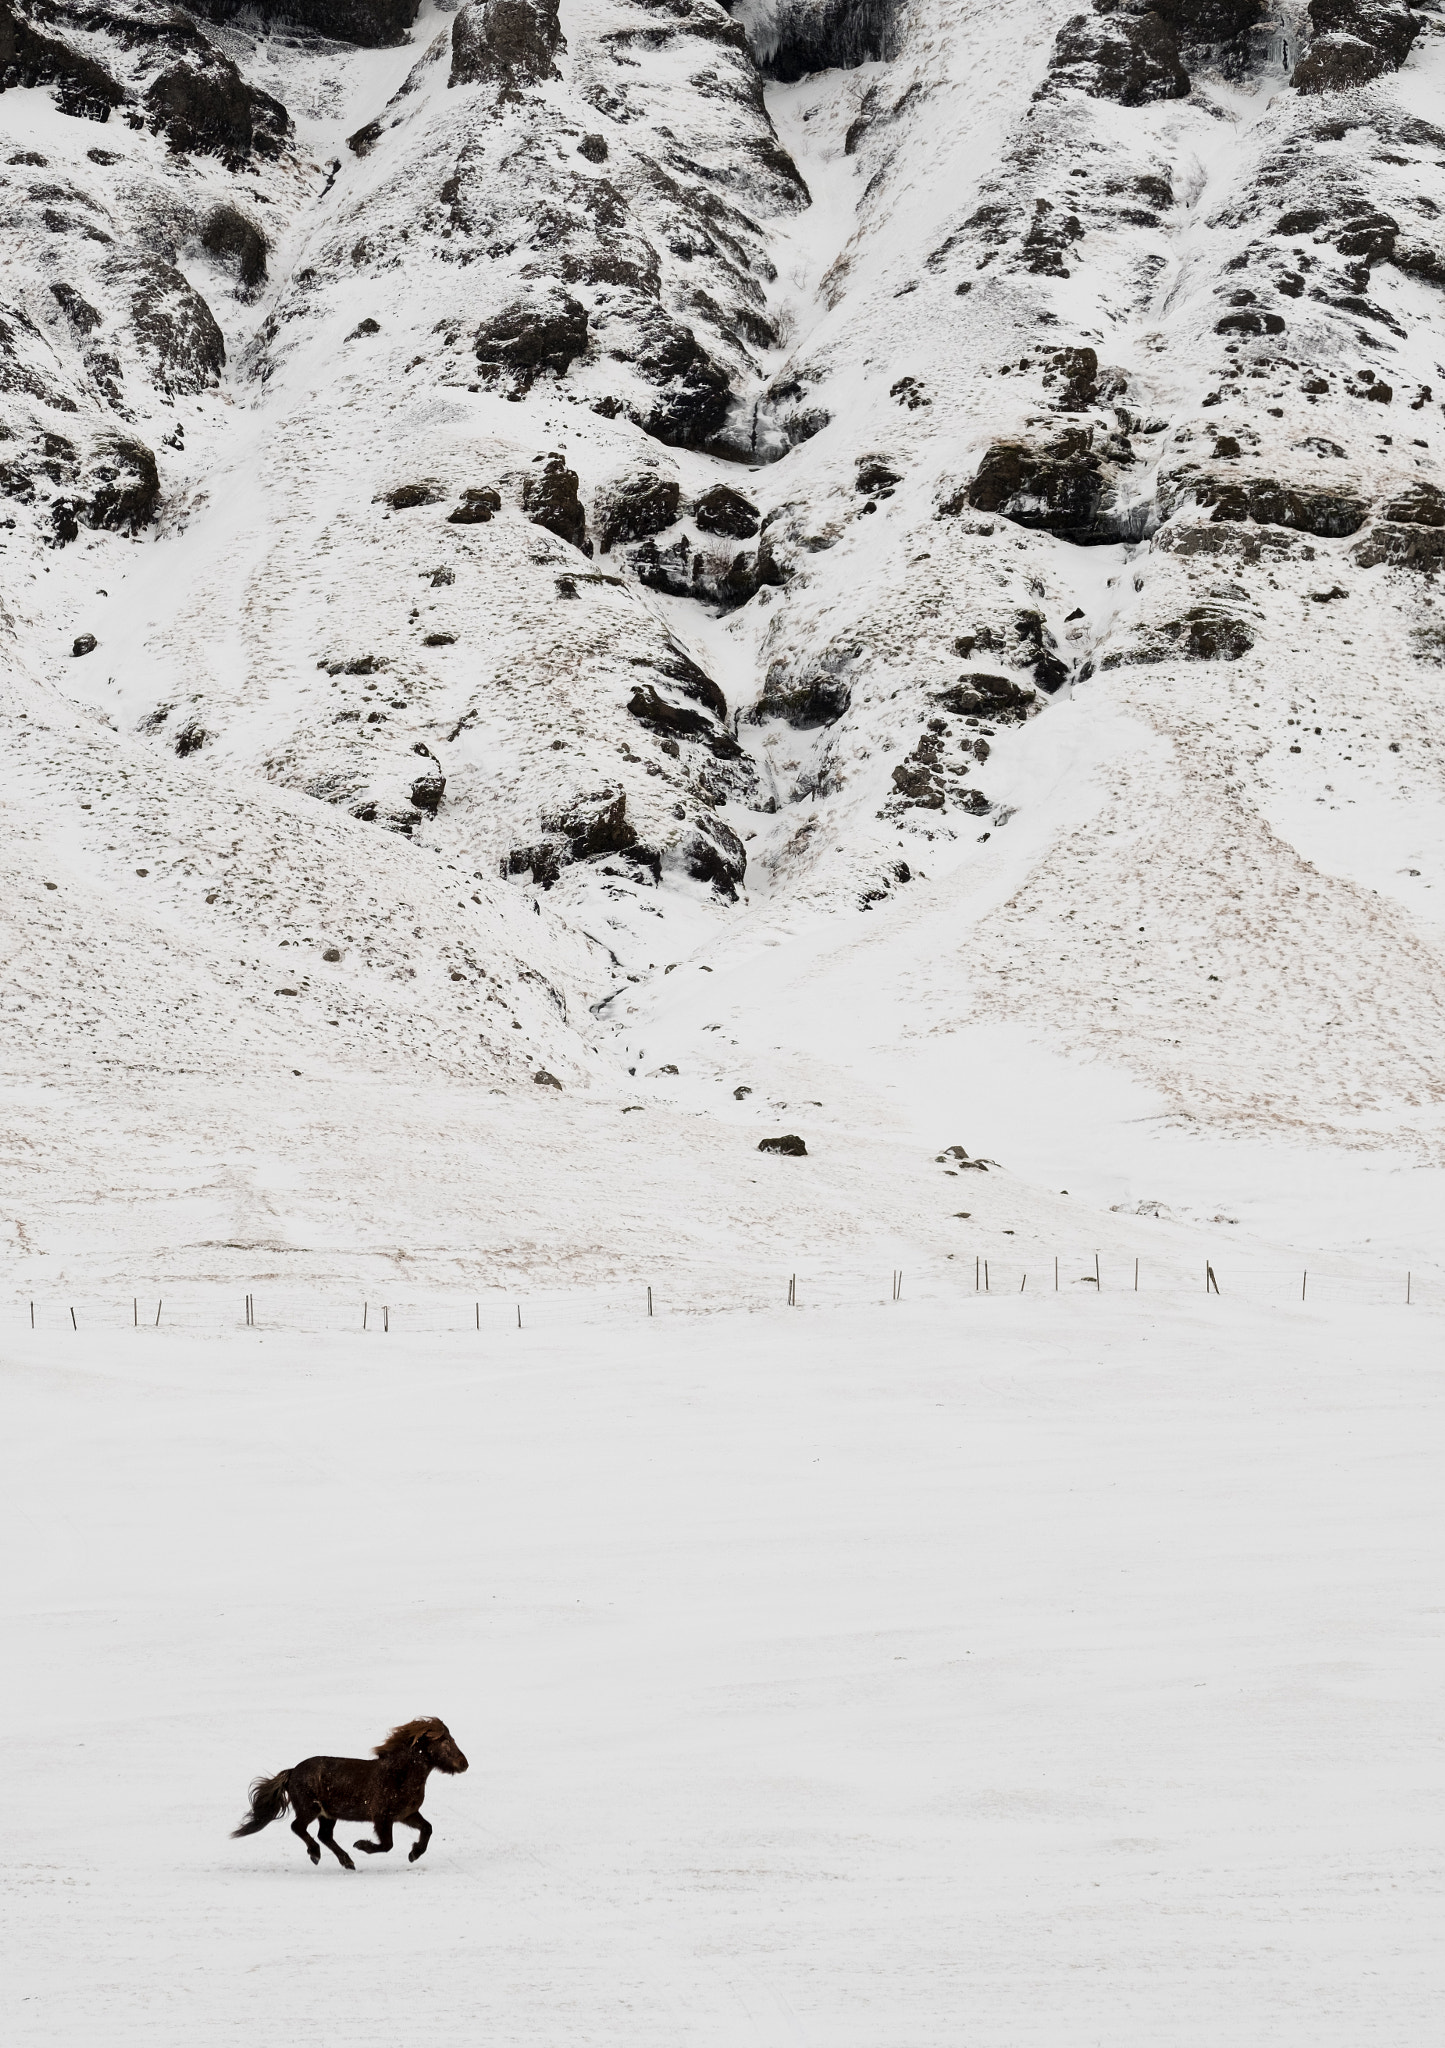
210 1308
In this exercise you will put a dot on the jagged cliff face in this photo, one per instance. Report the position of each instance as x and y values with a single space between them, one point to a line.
679 465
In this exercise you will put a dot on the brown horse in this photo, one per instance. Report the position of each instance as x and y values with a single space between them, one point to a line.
332 1788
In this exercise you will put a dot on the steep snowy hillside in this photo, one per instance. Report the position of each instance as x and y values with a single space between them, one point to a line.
928 514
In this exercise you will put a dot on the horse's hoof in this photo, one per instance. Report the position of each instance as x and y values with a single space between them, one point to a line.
413 1856
347 1864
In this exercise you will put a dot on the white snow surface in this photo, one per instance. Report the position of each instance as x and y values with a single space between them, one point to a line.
1052 1670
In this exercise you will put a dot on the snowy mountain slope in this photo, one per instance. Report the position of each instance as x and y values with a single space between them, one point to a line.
932 512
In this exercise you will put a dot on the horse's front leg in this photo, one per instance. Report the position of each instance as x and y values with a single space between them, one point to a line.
382 1844
419 1821
327 1831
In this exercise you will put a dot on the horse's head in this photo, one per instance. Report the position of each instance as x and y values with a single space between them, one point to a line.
430 1739
441 1751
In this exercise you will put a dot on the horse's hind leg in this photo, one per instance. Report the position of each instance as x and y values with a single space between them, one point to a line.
382 1844
419 1821
299 1827
327 1831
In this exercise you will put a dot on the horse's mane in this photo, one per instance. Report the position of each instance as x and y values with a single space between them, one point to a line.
408 1733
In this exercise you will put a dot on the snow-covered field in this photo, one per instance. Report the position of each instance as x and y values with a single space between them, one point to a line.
1047 1670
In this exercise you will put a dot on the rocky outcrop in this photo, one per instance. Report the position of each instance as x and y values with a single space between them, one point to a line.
124 485
204 106
636 508
532 336
374 24
714 854
997 698
1067 486
173 326
1329 514
510 45
793 38
1119 53
550 499
1353 42
723 510
83 88
236 241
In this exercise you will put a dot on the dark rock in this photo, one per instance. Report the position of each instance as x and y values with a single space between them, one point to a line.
545 1080
1304 220
82 316
998 698
405 496
1421 548
212 110
874 479
816 698
1076 372
918 784
677 721
595 825
233 239
190 739
694 394
85 643
84 89
640 506
509 44
1131 58
594 148
439 640
1250 321
793 39
693 681
175 327
549 499
1205 633
790 1146
375 24
1058 487
1331 515
477 507
1419 504
531 336
364 327
726 511
124 486
1389 26
431 785
714 854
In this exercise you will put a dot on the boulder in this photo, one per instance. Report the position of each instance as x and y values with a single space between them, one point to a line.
637 508
715 854
549 499
234 240
479 503
789 1147
726 511
124 486
998 698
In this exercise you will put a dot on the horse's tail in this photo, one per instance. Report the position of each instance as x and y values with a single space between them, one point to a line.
269 1800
